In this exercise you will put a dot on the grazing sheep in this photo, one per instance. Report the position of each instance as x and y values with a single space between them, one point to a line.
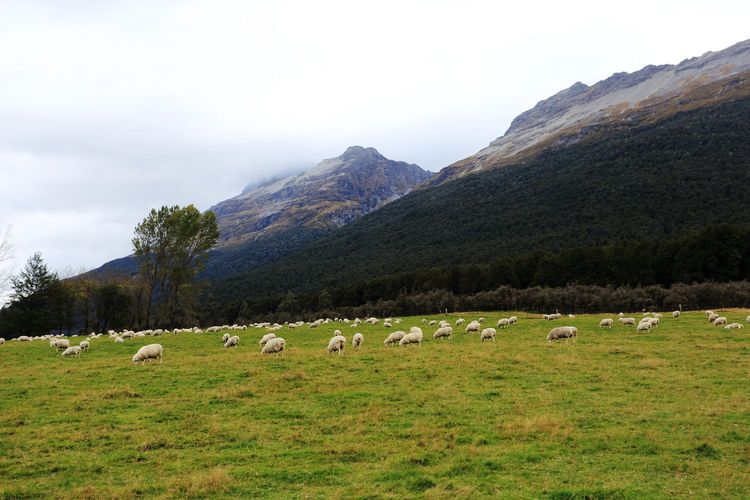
460 321
712 317
676 314
150 351
445 331
709 313
74 351
606 323
232 341
394 337
644 326
503 322
621 314
424 321
433 322
481 319
572 316
2 341
654 321
119 340
513 320
733 326
357 340
627 321
474 326
721 320
158 332
747 319
274 346
562 332
487 334
413 337
266 338
84 345
225 337
59 343
336 344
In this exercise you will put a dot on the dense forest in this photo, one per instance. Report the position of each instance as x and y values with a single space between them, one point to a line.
642 184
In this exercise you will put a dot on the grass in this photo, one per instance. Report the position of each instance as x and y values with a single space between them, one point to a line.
616 415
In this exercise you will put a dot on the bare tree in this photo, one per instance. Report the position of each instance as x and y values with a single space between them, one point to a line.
6 261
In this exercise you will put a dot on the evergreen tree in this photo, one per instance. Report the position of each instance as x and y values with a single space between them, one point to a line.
33 301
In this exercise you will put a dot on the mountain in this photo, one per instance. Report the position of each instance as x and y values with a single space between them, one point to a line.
622 100
330 195
629 182
271 219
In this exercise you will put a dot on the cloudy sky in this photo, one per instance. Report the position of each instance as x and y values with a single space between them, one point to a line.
111 108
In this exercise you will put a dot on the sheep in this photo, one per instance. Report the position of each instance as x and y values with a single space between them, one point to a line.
433 323
232 341
503 322
658 315
357 340
733 326
150 351
643 326
445 331
394 337
416 329
676 314
709 313
413 337
119 340
460 321
74 351
747 319
224 338
158 332
712 317
627 321
2 341
84 345
424 321
59 343
513 320
274 346
266 338
372 321
24 338
721 320
387 324
487 334
654 321
481 319
336 344
562 332
472 327
572 316
621 315
606 323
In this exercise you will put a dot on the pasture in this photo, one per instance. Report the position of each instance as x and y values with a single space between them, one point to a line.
615 415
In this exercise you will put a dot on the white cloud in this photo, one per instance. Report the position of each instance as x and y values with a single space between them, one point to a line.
112 108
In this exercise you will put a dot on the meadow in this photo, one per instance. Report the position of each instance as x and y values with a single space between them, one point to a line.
614 415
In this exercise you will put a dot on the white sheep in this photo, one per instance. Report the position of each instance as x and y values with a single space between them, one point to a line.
84 345
676 314
474 326
387 324
224 338
733 326
150 351
443 324
266 338
712 317
503 322
119 340
747 319
433 322
562 332
627 321
606 323
460 321
654 321
513 320
721 320
274 346
336 344
487 334
445 331
59 343
413 337
73 351
572 316
394 337
481 319
2 341
709 312
358 340
232 341
643 326
621 314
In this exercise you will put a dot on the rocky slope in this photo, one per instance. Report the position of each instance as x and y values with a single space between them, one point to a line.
622 100
331 194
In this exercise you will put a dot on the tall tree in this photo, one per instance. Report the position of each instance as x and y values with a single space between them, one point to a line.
36 291
172 244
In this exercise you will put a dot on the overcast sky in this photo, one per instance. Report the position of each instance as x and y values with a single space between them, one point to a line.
108 109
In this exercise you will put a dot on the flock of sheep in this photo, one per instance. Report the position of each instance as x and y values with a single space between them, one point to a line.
271 344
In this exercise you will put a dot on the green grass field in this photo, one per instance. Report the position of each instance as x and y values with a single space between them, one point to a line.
615 415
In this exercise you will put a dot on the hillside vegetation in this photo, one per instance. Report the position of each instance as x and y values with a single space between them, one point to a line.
686 173
615 415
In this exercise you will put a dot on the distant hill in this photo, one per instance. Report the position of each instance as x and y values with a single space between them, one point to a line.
634 182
